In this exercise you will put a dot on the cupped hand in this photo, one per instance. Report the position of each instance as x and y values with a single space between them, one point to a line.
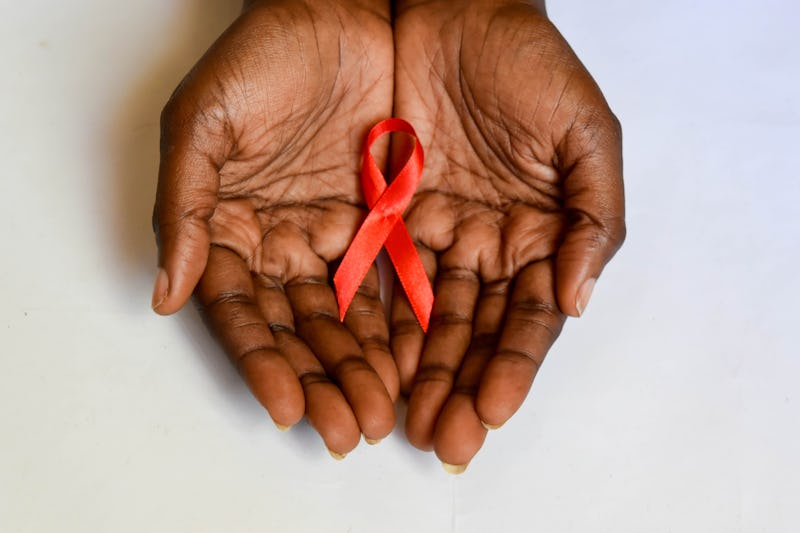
258 197
519 209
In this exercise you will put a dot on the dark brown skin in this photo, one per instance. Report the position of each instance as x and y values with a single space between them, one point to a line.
258 194
520 207
521 202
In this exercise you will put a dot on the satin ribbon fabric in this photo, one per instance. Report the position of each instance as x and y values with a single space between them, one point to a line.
384 226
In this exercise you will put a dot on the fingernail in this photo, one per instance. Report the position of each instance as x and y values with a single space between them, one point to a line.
490 427
160 288
281 427
372 442
337 456
454 469
584 293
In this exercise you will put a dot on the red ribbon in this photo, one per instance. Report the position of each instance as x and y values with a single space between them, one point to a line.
384 225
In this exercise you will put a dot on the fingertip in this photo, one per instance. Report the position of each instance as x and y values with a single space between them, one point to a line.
500 396
418 435
584 294
331 416
570 300
504 386
368 398
185 203
339 441
184 261
160 290
379 422
169 302
455 470
282 428
575 280
581 258
274 384
459 432
418 440
337 456
384 365
424 406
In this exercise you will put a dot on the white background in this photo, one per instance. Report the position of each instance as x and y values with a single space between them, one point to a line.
671 406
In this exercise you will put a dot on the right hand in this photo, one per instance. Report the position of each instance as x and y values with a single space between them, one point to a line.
259 195
520 207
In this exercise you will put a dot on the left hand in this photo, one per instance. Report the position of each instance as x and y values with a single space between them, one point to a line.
258 198
519 209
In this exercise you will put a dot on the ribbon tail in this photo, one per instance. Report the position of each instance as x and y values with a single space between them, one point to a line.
359 258
411 273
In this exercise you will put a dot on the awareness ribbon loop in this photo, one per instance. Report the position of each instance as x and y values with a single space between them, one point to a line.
384 226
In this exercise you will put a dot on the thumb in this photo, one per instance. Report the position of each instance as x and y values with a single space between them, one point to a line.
594 200
188 184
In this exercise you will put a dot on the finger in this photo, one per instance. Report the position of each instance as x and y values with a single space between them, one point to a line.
532 323
459 431
227 297
595 203
329 413
407 336
326 406
367 322
447 340
193 150
317 321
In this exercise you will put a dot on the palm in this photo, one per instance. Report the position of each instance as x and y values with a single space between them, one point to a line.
278 110
493 96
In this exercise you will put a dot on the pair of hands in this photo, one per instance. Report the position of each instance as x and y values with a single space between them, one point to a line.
519 208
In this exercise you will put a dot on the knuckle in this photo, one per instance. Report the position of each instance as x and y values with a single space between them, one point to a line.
605 232
457 275
261 352
400 328
619 232
279 328
350 364
465 389
610 234
516 356
529 313
614 124
598 129
317 316
484 341
375 342
450 319
313 378
233 298
268 282
368 292
435 373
